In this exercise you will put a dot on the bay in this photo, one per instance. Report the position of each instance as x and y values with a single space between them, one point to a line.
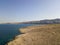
9 31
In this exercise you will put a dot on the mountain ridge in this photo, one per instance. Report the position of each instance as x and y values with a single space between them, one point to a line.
45 21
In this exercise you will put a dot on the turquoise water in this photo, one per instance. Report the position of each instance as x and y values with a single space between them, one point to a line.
9 31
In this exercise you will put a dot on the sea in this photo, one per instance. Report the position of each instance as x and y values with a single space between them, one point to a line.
9 31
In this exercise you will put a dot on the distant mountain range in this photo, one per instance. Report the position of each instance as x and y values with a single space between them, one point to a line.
46 21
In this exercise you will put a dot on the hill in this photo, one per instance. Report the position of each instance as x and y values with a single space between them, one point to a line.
38 35
46 21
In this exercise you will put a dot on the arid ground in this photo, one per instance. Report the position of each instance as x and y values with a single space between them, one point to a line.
38 35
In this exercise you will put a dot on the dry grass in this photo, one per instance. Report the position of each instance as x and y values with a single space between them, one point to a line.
39 35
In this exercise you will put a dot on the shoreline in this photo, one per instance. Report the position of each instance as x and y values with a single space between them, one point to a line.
34 33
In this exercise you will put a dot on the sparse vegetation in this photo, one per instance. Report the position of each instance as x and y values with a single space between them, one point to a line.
39 35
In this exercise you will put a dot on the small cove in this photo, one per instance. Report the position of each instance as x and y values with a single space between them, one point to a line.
9 31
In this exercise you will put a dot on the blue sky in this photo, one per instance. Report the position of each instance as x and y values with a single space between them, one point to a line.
28 10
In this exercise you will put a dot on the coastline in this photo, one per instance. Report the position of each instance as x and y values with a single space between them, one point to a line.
33 35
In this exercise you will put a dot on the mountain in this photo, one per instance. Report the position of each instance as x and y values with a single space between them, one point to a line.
46 21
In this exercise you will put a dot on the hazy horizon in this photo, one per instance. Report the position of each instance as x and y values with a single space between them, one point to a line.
28 10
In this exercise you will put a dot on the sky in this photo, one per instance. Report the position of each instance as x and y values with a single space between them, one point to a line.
28 10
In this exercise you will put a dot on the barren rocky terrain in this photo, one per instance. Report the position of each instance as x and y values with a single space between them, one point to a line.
38 35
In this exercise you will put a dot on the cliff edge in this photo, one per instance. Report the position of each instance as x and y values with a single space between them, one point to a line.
38 35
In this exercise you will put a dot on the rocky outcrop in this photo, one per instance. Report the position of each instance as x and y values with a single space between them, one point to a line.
38 35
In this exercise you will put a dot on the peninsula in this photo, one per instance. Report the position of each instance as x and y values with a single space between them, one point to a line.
38 35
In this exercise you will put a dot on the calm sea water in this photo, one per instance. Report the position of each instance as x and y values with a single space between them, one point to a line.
9 31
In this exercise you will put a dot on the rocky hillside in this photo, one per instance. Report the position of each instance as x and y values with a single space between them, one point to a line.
38 35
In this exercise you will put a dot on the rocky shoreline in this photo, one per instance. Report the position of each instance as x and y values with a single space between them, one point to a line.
38 35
